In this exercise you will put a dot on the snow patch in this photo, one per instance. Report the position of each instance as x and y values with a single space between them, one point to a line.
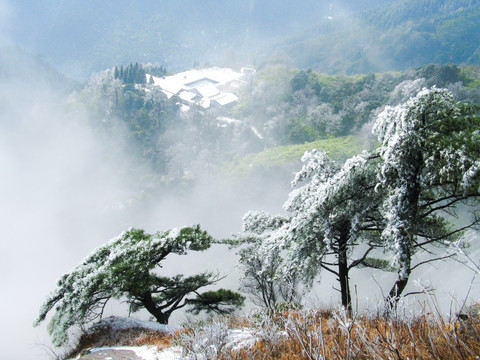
124 323
146 352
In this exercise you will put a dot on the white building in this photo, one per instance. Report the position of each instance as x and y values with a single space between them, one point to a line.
204 87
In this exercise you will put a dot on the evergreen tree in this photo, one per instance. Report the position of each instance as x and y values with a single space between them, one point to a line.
396 197
124 269
430 165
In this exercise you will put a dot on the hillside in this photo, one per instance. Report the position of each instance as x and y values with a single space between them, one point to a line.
82 37
294 335
271 118
394 37
285 159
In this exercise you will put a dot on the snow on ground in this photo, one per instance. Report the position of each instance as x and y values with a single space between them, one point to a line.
241 338
237 338
256 132
171 353
123 323
142 352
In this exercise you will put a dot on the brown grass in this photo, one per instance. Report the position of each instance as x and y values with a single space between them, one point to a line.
320 335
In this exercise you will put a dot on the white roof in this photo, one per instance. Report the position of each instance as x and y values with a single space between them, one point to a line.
205 103
206 82
187 95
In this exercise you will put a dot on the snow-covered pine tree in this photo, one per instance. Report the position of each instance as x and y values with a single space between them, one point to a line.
125 268
430 164
262 263
401 197
332 210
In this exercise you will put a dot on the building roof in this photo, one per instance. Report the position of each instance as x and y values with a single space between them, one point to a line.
210 84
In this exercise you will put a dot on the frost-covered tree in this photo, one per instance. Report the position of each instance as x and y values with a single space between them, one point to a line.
430 164
126 268
262 265
332 210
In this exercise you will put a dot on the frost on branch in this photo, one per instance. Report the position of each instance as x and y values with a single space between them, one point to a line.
326 212
394 198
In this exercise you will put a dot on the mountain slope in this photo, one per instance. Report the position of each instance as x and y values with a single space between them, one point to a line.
84 36
395 37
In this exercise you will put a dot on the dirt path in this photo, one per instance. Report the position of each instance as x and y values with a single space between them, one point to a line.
133 353
111 355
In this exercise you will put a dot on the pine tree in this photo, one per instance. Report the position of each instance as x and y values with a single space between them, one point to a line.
430 164
124 269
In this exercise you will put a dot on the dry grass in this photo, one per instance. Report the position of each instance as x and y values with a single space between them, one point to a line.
327 335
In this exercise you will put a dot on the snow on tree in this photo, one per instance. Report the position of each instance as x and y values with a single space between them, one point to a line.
330 211
333 212
126 268
430 164
262 263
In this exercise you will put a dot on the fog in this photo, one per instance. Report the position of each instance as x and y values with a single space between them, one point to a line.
54 189
67 188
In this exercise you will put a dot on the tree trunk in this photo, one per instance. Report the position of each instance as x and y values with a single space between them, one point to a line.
408 190
149 304
403 272
343 269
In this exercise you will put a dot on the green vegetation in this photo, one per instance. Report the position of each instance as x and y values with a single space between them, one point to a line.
289 156
132 74
281 114
472 76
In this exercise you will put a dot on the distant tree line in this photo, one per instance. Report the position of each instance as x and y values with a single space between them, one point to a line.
293 107
131 74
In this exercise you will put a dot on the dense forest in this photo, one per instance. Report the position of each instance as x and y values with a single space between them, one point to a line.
395 37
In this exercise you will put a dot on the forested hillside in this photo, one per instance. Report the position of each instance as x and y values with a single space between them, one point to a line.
82 37
394 37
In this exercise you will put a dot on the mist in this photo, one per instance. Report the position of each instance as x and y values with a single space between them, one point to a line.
55 188
67 187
